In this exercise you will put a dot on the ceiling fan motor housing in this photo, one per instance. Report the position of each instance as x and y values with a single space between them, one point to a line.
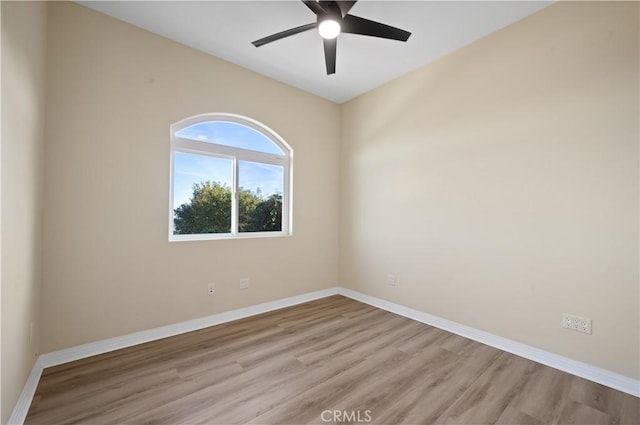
332 11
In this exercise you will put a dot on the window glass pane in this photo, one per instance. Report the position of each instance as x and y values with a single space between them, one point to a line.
201 194
230 134
261 187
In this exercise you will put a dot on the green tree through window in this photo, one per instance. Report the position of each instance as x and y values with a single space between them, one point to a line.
209 211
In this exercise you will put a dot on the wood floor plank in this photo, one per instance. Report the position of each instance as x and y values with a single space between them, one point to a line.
385 388
512 416
308 406
544 395
486 399
581 414
622 408
440 387
335 354
429 336
249 405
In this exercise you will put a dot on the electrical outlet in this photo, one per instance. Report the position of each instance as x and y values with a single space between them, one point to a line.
576 323
391 279
244 283
210 289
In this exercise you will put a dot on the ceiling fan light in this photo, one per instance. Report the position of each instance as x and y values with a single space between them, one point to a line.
329 29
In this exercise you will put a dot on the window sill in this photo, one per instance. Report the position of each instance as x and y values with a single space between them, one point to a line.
227 236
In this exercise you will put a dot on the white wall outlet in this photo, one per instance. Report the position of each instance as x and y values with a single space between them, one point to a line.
576 323
391 279
210 289
244 283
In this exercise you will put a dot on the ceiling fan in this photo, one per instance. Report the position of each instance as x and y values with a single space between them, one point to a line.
333 18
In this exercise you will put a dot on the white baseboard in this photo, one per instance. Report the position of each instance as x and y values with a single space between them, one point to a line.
556 361
565 364
26 396
99 347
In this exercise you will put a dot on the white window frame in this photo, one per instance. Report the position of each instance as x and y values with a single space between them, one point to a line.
179 144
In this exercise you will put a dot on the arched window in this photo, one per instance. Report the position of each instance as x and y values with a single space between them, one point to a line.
230 177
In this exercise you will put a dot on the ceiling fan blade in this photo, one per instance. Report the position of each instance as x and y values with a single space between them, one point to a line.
330 55
345 6
357 25
314 6
283 34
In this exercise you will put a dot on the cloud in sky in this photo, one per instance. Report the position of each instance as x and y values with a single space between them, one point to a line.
230 134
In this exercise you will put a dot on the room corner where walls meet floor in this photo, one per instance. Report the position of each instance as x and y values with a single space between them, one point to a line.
574 367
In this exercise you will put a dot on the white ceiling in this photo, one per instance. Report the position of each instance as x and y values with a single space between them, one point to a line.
226 28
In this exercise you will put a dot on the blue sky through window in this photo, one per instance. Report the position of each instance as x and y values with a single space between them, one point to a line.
230 134
189 169
268 178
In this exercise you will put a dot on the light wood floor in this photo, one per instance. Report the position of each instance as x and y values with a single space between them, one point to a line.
288 366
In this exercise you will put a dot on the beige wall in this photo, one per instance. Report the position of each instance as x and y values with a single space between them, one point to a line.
23 77
108 267
500 184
